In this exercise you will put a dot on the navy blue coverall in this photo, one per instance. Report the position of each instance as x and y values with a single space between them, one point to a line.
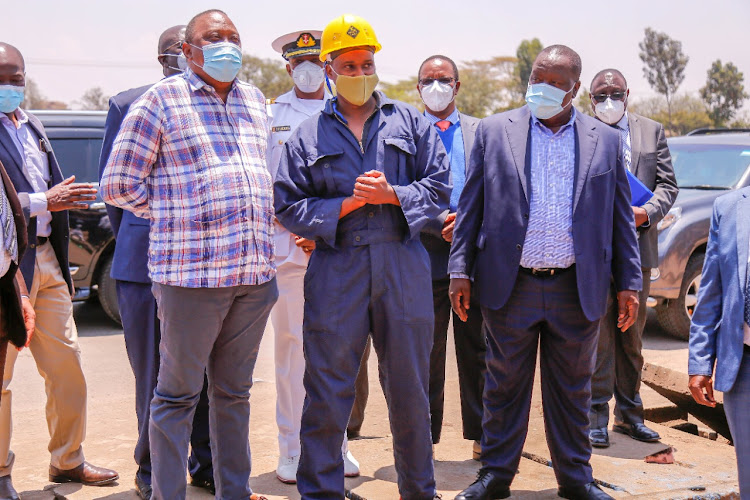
368 273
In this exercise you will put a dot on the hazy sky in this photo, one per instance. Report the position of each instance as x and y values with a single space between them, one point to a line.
73 45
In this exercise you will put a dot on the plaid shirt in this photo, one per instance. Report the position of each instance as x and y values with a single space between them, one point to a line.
196 167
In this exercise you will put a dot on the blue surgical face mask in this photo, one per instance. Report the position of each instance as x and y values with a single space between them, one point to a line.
11 98
221 61
545 100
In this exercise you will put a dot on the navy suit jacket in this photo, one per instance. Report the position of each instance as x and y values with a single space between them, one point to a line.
716 331
493 212
59 238
130 261
431 236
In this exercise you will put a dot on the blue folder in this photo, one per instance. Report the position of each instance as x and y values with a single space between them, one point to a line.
639 193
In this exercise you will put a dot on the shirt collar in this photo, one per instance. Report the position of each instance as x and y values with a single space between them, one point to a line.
22 117
381 101
623 123
453 117
290 96
535 120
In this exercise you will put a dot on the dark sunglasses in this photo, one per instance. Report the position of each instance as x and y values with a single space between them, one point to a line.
426 82
616 96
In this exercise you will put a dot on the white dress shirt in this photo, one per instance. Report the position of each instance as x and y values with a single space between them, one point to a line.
35 165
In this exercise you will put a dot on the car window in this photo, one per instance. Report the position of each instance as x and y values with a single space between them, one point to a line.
709 166
79 157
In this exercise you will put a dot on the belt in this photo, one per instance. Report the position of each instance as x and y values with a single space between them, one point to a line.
545 272
41 240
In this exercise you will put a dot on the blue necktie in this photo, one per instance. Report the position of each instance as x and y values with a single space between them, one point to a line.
8 226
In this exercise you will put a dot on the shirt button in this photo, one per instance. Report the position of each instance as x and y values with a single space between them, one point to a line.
281 142
518 247
357 238
371 215
325 165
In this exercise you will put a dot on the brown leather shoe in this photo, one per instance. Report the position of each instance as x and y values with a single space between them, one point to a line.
84 474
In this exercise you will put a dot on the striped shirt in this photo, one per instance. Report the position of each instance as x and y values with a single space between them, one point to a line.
549 236
196 167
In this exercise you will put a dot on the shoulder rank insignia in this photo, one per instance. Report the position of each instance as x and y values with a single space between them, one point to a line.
282 128
270 101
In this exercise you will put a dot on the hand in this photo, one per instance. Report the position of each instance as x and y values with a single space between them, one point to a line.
373 188
627 305
306 245
448 225
702 389
69 194
641 216
29 320
460 294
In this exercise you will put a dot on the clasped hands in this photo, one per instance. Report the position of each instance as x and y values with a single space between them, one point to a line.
372 188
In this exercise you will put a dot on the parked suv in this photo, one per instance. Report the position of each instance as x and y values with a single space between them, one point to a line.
707 164
76 138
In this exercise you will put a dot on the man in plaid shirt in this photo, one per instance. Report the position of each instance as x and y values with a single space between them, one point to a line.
190 156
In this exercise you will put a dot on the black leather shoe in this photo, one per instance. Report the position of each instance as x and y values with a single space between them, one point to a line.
7 492
206 484
637 431
142 489
599 438
589 491
488 486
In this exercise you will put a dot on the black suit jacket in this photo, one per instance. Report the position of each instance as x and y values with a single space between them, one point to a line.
11 158
130 261
10 296
431 236
652 164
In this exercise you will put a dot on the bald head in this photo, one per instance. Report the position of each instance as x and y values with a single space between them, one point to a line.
560 56
171 36
198 23
609 77
12 66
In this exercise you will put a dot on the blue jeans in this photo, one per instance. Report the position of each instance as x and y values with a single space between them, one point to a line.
737 407
216 330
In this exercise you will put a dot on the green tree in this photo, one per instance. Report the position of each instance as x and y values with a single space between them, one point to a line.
269 75
404 90
94 99
487 86
664 64
583 101
724 92
526 55
34 99
688 113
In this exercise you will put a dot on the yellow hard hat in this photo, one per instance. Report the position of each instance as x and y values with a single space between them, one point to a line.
347 31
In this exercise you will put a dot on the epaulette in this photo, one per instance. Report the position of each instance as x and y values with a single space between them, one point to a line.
270 101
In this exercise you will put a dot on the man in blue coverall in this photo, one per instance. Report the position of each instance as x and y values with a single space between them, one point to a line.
361 179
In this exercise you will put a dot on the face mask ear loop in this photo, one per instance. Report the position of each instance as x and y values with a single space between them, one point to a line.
328 82
333 100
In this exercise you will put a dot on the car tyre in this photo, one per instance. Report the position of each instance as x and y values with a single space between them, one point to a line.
108 292
674 314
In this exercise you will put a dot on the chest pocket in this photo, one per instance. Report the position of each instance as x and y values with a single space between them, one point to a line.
399 159
321 165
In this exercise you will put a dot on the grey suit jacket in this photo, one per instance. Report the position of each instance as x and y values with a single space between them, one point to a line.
431 236
652 164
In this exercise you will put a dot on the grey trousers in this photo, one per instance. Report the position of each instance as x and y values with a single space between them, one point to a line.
217 330
737 407
618 364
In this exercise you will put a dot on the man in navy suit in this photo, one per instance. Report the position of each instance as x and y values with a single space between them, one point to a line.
543 222
136 301
720 329
438 86
45 199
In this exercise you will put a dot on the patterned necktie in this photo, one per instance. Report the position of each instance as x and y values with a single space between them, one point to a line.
626 152
443 125
8 226
747 296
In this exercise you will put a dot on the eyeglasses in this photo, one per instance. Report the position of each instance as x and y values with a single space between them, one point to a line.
616 96
426 82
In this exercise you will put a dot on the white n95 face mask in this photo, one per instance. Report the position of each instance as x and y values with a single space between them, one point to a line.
437 96
610 111
308 77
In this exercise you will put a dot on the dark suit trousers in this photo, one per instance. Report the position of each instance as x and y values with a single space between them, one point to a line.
142 334
545 312
618 364
470 350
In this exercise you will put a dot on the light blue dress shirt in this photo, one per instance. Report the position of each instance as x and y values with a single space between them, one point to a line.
453 140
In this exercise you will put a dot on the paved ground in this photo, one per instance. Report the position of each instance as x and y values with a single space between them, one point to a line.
706 467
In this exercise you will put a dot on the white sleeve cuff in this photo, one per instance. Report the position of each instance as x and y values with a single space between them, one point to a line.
37 204
460 275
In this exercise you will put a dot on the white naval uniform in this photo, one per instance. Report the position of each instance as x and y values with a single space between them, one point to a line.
286 113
